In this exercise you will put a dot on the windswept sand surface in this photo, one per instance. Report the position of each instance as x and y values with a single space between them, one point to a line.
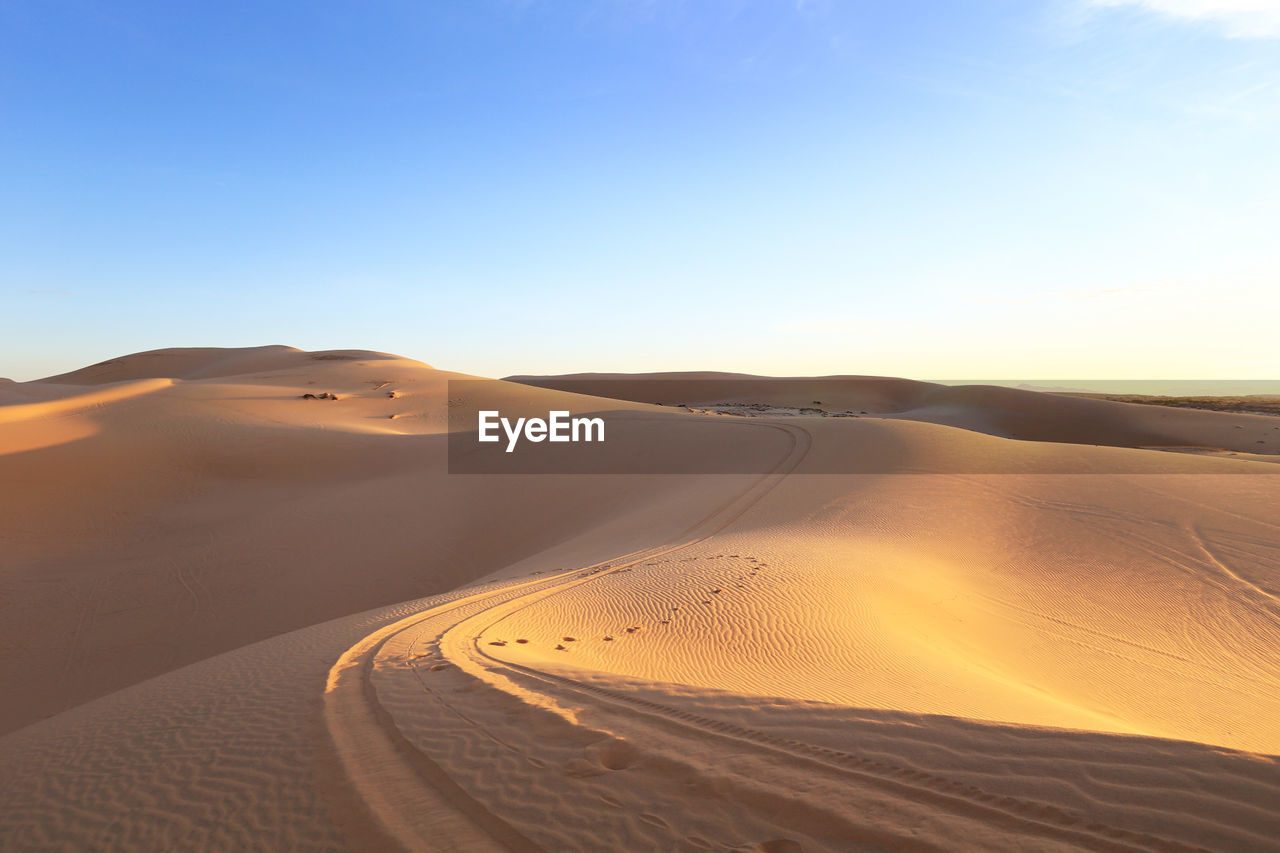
215 635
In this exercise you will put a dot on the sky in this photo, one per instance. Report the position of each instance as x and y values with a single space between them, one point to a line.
999 189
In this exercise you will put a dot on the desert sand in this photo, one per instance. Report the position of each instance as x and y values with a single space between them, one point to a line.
236 618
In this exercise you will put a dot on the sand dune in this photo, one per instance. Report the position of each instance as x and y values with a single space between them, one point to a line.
215 626
1004 412
151 522
211 363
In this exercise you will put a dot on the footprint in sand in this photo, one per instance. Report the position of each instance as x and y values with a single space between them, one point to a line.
781 845
608 639
498 642
715 592
522 641
570 639
581 768
608 754
654 820
439 667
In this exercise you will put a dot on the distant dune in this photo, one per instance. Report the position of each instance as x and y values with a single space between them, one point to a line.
240 617
210 363
995 410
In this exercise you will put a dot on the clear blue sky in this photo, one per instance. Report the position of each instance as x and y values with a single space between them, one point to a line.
1078 188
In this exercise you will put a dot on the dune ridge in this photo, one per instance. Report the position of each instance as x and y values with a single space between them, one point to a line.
211 363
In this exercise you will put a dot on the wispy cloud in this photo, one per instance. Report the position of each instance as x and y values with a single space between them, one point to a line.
1237 18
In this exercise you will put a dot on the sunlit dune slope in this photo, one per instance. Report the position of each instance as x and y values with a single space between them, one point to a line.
1070 659
1145 604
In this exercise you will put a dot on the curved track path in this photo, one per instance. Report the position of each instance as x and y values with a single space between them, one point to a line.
450 746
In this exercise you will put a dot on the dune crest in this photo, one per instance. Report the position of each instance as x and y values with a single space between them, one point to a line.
209 363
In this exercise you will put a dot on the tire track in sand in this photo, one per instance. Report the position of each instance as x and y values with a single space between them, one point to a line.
406 794
410 794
